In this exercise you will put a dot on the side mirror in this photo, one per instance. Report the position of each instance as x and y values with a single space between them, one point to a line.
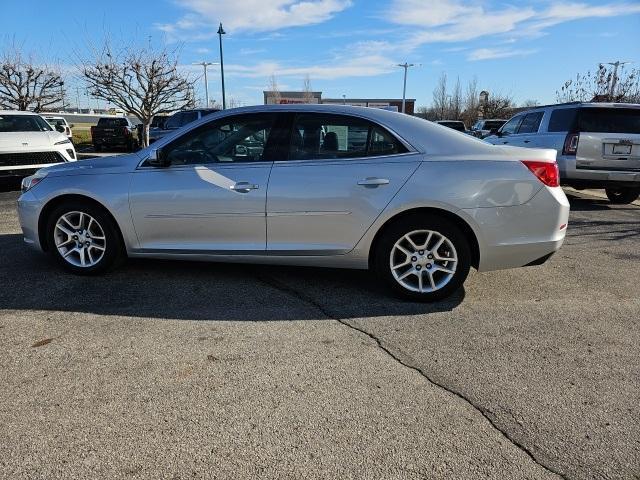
158 159
71 126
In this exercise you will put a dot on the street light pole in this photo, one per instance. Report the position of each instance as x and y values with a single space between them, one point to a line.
224 99
406 66
206 82
614 78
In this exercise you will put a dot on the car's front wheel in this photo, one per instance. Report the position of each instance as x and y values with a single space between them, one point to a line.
622 196
423 257
83 238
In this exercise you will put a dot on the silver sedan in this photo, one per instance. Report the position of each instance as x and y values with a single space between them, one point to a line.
336 186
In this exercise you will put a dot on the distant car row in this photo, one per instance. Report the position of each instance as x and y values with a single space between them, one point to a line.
480 129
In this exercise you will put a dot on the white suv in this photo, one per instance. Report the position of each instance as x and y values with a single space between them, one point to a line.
598 144
28 142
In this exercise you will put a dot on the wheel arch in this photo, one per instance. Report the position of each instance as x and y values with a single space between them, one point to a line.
462 224
54 202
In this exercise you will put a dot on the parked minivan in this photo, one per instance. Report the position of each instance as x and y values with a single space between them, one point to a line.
598 144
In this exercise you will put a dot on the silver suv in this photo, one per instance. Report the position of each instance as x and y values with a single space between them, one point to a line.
598 144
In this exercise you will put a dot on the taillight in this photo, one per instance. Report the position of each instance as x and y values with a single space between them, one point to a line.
571 144
547 172
68 130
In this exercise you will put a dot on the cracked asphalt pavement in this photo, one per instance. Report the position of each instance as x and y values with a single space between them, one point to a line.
193 370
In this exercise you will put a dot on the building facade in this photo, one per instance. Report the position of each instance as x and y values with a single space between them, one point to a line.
393 104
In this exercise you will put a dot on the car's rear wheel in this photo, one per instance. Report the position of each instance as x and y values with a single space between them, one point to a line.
423 257
622 196
83 238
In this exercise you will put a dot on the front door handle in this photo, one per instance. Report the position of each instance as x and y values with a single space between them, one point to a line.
527 141
373 182
244 187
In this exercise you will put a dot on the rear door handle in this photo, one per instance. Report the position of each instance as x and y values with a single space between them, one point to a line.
244 187
373 182
527 141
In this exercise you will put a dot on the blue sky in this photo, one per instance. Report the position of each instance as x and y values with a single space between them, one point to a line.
526 49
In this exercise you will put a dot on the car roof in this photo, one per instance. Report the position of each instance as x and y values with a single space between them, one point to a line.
422 135
18 112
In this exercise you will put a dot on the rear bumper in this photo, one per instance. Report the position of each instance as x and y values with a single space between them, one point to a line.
523 234
585 178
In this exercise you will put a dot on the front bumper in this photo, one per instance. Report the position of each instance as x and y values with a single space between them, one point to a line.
28 214
523 234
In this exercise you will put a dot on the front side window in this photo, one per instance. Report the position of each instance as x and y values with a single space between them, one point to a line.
241 138
511 126
531 122
320 136
23 123
175 121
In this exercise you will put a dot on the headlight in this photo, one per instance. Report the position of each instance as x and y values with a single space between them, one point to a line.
62 142
33 180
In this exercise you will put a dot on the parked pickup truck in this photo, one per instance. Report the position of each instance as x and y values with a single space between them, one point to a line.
114 132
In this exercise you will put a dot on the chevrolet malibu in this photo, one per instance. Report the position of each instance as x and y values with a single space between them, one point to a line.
417 203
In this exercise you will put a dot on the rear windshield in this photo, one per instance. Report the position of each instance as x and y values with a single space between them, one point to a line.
112 122
610 120
23 123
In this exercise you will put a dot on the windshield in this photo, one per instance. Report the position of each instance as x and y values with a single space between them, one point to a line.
490 125
23 123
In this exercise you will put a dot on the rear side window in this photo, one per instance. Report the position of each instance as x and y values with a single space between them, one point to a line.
318 136
563 120
531 122
609 120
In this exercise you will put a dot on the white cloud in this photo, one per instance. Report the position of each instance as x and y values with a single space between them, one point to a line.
203 16
362 66
457 21
492 53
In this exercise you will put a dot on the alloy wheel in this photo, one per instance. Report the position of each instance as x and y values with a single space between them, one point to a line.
423 261
80 239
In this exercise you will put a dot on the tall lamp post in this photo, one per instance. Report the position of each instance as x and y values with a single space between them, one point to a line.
224 98
206 82
614 78
406 66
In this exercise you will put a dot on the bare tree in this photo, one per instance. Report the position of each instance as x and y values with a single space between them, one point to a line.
274 89
455 103
141 81
26 85
530 103
440 97
471 103
499 106
307 90
600 86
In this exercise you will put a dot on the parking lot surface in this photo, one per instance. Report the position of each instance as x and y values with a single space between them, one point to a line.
193 370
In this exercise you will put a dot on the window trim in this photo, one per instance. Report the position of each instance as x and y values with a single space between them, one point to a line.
372 125
142 166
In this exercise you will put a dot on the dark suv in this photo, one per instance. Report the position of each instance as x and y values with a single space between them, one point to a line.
179 120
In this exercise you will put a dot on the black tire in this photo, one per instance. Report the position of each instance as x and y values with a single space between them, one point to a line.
622 196
381 262
113 248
